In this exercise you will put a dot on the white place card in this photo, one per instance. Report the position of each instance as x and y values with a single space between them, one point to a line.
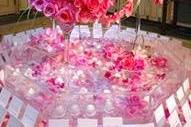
174 120
142 32
58 123
5 96
112 122
140 125
165 38
29 32
25 38
131 30
114 27
40 30
14 122
87 122
187 111
127 36
17 40
2 75
153 35
112 33
186 85
171 103
180 93
15 106
8 38
2 114
84 31
30 116
159 114
97 30
20 34
75 33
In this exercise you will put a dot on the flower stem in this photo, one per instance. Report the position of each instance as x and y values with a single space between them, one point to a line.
67 42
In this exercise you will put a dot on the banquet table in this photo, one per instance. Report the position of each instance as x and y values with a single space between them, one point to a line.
13 105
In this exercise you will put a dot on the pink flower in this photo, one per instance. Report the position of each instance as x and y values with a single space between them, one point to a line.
30 1
158 1
85 16
128 61
159 62
50 9
107 74
93 5
66 15
39 4
70 12
139 64
129 8
105 21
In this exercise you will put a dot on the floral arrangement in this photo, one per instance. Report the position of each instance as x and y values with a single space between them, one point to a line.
81 11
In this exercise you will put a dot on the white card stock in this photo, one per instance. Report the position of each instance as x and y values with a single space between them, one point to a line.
174 120
14 122
140 125
187 111
58 123
180 93
186 85
112 122
5 95
97 30
15 106
159 114
87 122
84 31
30 116
171 103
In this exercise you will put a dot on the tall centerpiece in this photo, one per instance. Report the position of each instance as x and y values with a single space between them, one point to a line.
113 68
68 13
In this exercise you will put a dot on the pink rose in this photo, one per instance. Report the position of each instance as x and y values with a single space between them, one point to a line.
50 9
79 3
66 15
93 5
85 16
105 22
128 61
